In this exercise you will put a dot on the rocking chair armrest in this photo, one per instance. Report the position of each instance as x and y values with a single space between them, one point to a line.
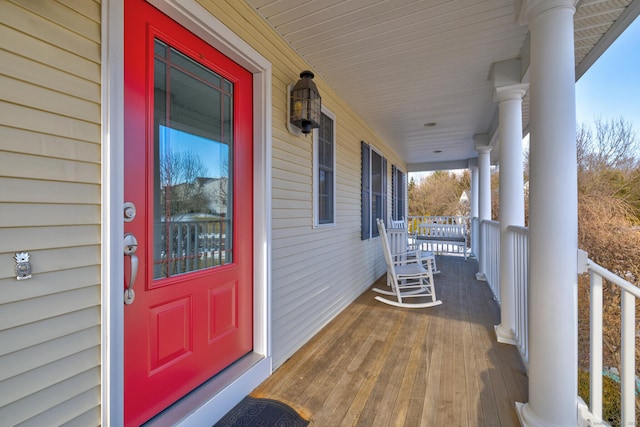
405 254
404 258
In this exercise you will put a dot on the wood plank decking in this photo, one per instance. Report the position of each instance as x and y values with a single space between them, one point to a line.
377 365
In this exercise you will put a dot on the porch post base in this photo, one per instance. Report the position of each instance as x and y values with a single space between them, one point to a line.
505 336
481 277
586 417
527 417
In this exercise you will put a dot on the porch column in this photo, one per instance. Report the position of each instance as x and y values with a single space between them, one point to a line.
508 92
484 196
473 205
553 217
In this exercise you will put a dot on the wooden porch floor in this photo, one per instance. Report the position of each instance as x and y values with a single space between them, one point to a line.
377 365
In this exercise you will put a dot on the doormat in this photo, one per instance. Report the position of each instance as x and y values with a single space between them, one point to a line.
257 412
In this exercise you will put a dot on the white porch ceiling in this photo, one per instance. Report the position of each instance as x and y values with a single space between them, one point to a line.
403 63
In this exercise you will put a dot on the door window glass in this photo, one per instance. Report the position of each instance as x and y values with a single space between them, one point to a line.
193 158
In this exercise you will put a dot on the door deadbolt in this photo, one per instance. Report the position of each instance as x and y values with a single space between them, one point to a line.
129 211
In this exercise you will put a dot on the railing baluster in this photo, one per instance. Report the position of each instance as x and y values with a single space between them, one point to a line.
179 250
628 358
199 233
189 249
220 246
595 392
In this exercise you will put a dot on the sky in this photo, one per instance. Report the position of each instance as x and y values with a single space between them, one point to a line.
199 148
611 87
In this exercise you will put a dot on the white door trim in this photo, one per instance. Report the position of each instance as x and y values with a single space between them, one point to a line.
112 229
249 372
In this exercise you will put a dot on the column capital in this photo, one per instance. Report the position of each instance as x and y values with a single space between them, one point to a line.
505 93
482 143
530 9
506 80
473 164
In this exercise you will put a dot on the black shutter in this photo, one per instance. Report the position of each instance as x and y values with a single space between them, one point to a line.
402 191
394 192
384 192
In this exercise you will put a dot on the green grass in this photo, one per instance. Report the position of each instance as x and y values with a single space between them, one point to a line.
610 397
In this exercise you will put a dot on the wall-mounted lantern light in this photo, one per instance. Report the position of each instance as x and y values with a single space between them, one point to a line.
305 103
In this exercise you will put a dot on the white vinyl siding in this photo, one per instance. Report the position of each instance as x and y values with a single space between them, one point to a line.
50 207
316 272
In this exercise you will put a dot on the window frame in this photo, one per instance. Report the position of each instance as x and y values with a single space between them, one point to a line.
368 227
316 174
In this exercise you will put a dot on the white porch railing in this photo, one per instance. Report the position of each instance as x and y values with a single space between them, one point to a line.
627 335
519 238
475 235
490 250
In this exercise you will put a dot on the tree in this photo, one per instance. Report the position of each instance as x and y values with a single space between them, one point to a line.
179 172
438 194
608 210
608 178
611 145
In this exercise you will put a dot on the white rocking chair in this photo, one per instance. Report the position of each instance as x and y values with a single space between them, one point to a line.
397 223
398 238
407 277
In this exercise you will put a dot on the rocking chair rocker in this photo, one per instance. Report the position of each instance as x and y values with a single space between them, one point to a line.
407 277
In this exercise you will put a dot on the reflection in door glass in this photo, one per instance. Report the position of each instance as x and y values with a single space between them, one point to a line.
193 158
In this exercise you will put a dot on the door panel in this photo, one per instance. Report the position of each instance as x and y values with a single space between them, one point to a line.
169 333
188 171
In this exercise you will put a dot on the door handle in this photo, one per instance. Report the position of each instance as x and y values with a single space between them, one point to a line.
130 247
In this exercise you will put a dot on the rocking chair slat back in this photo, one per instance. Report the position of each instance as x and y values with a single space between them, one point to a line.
407 277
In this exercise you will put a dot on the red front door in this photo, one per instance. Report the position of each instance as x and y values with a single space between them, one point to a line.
188 173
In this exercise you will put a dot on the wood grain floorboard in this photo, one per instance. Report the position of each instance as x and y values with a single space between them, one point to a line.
377 365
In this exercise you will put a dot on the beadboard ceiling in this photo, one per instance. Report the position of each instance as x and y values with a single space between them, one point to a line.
403 63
